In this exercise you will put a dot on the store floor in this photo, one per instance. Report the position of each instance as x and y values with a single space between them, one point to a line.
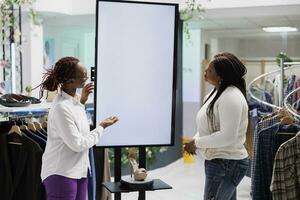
187 181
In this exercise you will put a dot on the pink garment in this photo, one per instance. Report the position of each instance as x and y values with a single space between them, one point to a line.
296 95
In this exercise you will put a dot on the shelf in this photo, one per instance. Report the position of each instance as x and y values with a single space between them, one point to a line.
115 187
43 106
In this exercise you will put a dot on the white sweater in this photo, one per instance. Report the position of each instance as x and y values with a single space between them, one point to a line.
230 126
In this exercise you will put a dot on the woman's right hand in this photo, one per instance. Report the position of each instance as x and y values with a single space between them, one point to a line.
190 147
109 121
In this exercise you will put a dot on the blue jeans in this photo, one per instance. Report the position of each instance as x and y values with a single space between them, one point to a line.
222 178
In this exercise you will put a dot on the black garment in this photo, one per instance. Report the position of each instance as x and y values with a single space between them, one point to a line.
41 142
44 131
20 168
41 134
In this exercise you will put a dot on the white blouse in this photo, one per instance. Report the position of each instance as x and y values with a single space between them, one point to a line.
69 139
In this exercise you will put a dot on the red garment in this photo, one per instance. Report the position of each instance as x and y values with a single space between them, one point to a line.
296 95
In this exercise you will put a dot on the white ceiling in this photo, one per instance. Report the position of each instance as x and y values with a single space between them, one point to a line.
249 22
240 22
222 22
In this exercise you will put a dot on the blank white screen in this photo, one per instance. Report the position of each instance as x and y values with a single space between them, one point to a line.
135 72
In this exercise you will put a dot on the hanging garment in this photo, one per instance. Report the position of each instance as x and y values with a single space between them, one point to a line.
106 195
286 173
44 131
290 84
103 173
269 86
263 124
20 167
296 95
92 176
39 133
41 142
262 95
269 140
277 90
296 105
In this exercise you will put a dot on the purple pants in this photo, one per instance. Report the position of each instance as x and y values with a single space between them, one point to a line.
63 188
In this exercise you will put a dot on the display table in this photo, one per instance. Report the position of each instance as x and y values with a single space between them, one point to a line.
115 187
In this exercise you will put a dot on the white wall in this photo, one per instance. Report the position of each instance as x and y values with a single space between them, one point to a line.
77 41
245 3
77 7
80 7
32 55
269 47
252 48
191 81
55 6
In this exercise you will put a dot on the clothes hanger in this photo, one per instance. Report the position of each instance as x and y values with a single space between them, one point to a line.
38 125
283 113
14 131
31 126
23 126
287 120
44 124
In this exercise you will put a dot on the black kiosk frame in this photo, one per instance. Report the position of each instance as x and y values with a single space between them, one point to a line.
115 187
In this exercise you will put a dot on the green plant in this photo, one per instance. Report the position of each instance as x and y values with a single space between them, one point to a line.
284 56
28 89
9 26
191 10
151 154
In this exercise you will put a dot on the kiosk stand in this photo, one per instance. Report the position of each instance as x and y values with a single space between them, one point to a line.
115 187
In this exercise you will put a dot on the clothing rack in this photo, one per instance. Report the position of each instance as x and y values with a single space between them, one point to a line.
282 70
282 66
270 133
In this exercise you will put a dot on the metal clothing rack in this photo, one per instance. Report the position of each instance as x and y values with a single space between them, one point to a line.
282 70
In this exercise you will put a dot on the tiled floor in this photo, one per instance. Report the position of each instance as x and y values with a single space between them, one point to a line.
187 181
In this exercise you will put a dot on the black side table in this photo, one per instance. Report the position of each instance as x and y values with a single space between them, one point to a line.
114 187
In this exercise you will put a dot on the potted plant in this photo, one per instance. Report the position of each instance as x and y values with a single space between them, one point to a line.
284 56
8 23
191 10
28 90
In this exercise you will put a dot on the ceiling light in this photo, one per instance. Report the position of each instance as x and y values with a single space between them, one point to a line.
280 29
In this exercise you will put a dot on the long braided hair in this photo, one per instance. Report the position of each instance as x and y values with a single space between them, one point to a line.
63 70
231 71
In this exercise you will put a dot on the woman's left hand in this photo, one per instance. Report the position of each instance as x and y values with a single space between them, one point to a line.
190 147
86 90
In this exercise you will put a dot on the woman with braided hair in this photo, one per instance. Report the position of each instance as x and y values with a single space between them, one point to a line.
65 161
222 124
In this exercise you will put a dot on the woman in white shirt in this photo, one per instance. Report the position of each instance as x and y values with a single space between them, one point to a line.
65 161
222 124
